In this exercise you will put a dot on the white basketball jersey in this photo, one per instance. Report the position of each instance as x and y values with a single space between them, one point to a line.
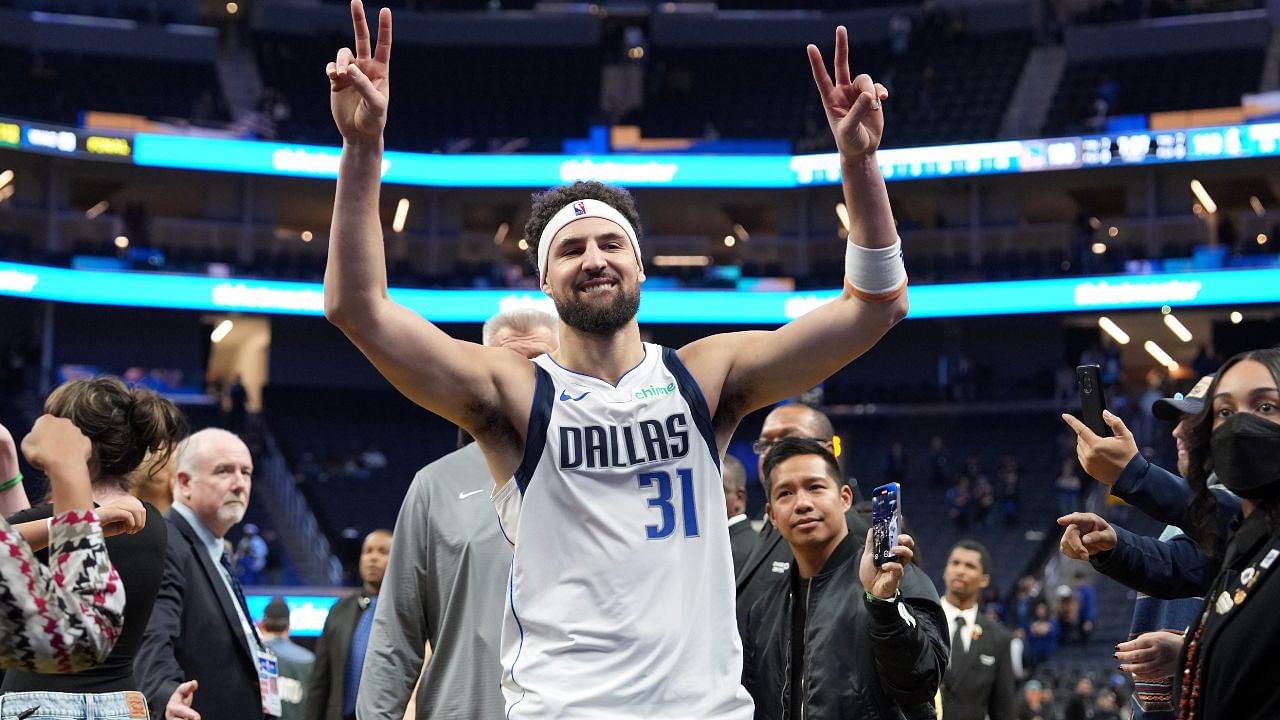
621 597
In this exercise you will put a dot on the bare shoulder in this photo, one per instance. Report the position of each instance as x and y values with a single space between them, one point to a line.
710 361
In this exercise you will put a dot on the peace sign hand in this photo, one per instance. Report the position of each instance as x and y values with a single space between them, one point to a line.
359 84
852 106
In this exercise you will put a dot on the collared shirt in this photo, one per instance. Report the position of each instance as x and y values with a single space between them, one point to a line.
970 621
215 548
737 519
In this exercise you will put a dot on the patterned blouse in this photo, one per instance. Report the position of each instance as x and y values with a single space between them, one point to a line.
64 617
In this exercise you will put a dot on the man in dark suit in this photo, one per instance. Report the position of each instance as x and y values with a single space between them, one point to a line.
199 654
742 537
335 677
979 683
771 558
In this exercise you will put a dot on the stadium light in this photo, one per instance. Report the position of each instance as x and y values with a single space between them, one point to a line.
730 241
6 177
1160 355
681 260
402 214
842 212
1262 238
1177 328
307 236
221 331
741 232
122 242
1099 248
1203 196
232 8
1111 328
99 208
1236 317
1113 231
523 244
1256 204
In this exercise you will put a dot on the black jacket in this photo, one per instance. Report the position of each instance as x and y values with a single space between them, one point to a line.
742 540
1241 630
195 634
870 661
328 674
979 683
771 558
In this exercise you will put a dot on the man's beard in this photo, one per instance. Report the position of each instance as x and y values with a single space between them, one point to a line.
590 318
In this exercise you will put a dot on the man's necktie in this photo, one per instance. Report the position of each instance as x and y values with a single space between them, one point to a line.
244 606
957 638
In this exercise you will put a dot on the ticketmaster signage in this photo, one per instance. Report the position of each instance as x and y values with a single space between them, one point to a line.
650 170
1018 297
719 171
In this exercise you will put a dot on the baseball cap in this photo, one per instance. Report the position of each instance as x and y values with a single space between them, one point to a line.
1172 409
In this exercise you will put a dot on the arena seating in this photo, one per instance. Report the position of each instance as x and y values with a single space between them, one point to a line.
71 83
445 95
953 90
335 426
1219 79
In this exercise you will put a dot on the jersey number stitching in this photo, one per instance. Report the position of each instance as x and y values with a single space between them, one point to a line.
663 503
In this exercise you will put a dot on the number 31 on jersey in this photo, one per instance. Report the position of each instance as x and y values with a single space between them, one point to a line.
664 503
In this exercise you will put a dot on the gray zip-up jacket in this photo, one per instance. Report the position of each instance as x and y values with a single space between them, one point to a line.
445 584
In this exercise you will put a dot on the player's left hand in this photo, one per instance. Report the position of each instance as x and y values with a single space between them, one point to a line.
883 581
852 105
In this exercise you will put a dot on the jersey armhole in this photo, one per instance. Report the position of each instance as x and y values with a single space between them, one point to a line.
692 395
535 437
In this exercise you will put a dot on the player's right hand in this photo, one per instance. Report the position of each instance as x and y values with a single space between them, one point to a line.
54 440
359 87
1086 535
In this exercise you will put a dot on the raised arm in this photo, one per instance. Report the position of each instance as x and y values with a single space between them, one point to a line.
744 371
465 383
13 496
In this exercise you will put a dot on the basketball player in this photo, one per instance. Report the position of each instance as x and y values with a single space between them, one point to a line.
606 453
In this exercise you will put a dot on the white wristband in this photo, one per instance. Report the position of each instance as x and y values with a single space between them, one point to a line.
875 273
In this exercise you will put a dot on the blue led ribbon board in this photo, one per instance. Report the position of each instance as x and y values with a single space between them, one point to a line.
1015 297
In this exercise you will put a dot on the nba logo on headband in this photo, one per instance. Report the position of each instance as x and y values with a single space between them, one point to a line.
579 208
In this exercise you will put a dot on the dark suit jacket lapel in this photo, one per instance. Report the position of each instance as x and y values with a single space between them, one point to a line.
961 661
348 614
769 538
215 583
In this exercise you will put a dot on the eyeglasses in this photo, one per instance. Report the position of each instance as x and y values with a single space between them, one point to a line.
762 447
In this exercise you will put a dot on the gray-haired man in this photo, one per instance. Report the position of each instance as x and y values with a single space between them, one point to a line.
447 577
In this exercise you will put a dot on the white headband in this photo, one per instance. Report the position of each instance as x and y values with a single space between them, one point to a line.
578 210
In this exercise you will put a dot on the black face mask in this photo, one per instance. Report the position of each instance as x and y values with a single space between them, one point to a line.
1246 456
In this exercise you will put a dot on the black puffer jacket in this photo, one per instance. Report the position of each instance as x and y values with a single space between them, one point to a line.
869 661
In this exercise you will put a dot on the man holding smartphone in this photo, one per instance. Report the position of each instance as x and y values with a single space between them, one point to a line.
840 635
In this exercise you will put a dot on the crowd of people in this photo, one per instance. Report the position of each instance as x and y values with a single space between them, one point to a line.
621 578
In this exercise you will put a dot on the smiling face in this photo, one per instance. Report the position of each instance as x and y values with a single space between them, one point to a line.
806 503
593 276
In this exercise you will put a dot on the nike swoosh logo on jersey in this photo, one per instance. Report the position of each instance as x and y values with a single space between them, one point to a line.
564 395
465 495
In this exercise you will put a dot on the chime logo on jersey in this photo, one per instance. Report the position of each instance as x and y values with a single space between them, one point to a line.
618 446
655 391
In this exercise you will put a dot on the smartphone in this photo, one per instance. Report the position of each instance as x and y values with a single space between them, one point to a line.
1092 401
886 519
